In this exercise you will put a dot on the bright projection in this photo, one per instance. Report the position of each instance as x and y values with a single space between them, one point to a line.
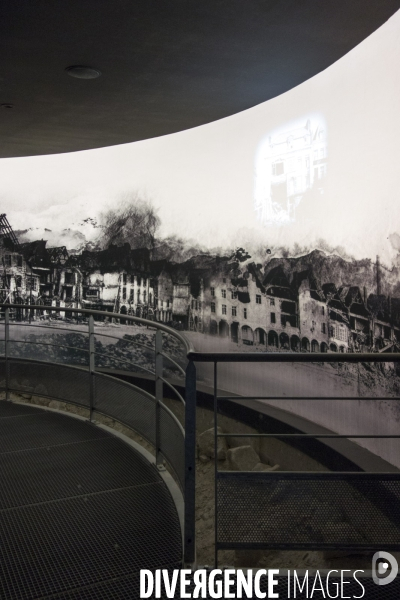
257 179
289 161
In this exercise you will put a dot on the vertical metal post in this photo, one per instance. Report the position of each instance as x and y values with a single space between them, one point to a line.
92 366
158 392
215 466
7 349
189 548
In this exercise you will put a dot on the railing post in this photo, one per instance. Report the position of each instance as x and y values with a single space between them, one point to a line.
7 349
158 392
189 548
92 366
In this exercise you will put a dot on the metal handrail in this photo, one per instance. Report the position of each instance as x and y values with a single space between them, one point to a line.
171 387
189 397
293 357
318 398
104 313
187 478
309 435
282 357
174 363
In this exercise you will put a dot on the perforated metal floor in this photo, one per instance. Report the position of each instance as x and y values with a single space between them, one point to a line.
80 511
331 510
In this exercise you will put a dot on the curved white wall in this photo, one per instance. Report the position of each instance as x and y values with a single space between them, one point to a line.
204 181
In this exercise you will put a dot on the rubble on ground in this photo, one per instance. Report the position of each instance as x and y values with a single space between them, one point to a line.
132 352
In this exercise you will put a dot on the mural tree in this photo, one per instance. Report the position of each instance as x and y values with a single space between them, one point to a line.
134 221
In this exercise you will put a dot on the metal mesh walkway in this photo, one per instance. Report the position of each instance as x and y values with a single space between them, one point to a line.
79 509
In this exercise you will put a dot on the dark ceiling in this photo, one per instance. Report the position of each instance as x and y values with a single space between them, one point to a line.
166 65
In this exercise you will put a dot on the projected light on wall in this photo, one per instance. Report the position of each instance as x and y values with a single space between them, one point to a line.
289 161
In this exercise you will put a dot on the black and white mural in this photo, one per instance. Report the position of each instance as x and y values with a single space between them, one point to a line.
277 229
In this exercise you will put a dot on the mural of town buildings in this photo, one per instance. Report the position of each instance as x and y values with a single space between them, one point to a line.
272 307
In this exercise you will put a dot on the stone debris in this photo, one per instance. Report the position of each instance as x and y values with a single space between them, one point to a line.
242 458
262 467
130 353
205 445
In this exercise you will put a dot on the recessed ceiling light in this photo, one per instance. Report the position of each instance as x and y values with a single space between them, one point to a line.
82 72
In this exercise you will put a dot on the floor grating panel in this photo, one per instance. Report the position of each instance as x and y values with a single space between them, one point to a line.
43 429
9 409
55 472
79 520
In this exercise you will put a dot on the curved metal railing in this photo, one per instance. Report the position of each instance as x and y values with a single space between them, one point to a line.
281 509
82 362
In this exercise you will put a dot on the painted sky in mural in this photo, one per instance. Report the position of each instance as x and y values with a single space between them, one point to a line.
206 182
